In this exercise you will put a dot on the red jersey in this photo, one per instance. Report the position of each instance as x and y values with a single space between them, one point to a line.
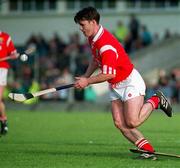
6 48
110 55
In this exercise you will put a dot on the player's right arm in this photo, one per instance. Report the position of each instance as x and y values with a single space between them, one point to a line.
93 65
82 81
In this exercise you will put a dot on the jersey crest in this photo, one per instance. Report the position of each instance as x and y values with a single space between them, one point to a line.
1 40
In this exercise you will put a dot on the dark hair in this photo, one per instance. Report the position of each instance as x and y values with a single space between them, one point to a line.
88 13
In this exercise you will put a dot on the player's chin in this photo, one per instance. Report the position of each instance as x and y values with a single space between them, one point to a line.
86 34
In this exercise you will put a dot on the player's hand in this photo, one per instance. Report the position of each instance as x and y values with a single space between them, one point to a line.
81 82
15 55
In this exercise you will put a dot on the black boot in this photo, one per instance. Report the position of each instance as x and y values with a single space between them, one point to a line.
4 127
164 103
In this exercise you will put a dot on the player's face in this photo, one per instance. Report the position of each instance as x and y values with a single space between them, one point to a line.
87 27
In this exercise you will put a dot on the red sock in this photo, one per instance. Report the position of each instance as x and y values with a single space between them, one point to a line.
144 145
154 100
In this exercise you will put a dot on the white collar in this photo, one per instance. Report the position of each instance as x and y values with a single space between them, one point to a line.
98 34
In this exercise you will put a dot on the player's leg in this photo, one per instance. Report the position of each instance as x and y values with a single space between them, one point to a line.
133 118
159 99
131 134
3 117
118 109
118 113
136 112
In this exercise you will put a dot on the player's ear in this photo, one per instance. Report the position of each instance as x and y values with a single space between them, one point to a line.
93 21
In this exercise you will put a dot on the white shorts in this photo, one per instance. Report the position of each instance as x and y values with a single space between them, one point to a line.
3 76
129 88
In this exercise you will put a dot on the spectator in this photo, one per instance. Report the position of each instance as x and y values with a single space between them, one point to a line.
134 27
156 38
42 45
145 36
64 79
121 32
176 83
164 84
167 34
89 94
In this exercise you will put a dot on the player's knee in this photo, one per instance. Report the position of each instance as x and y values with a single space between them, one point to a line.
121 128
117 124
132 123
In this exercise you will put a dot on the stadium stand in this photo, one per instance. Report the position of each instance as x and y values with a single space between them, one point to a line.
61 55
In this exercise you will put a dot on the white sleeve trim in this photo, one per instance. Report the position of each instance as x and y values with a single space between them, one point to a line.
108 47
8 41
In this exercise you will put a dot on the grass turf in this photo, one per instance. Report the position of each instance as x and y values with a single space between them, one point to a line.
83 140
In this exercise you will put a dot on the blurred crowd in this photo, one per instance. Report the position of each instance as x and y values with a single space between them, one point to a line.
169 83
135 36
57 62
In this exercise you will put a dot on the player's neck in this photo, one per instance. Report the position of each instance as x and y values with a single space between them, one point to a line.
96 29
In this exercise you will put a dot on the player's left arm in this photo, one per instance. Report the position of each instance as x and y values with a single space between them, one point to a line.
12 52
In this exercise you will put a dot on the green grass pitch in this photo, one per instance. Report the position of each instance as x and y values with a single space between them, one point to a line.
83 140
